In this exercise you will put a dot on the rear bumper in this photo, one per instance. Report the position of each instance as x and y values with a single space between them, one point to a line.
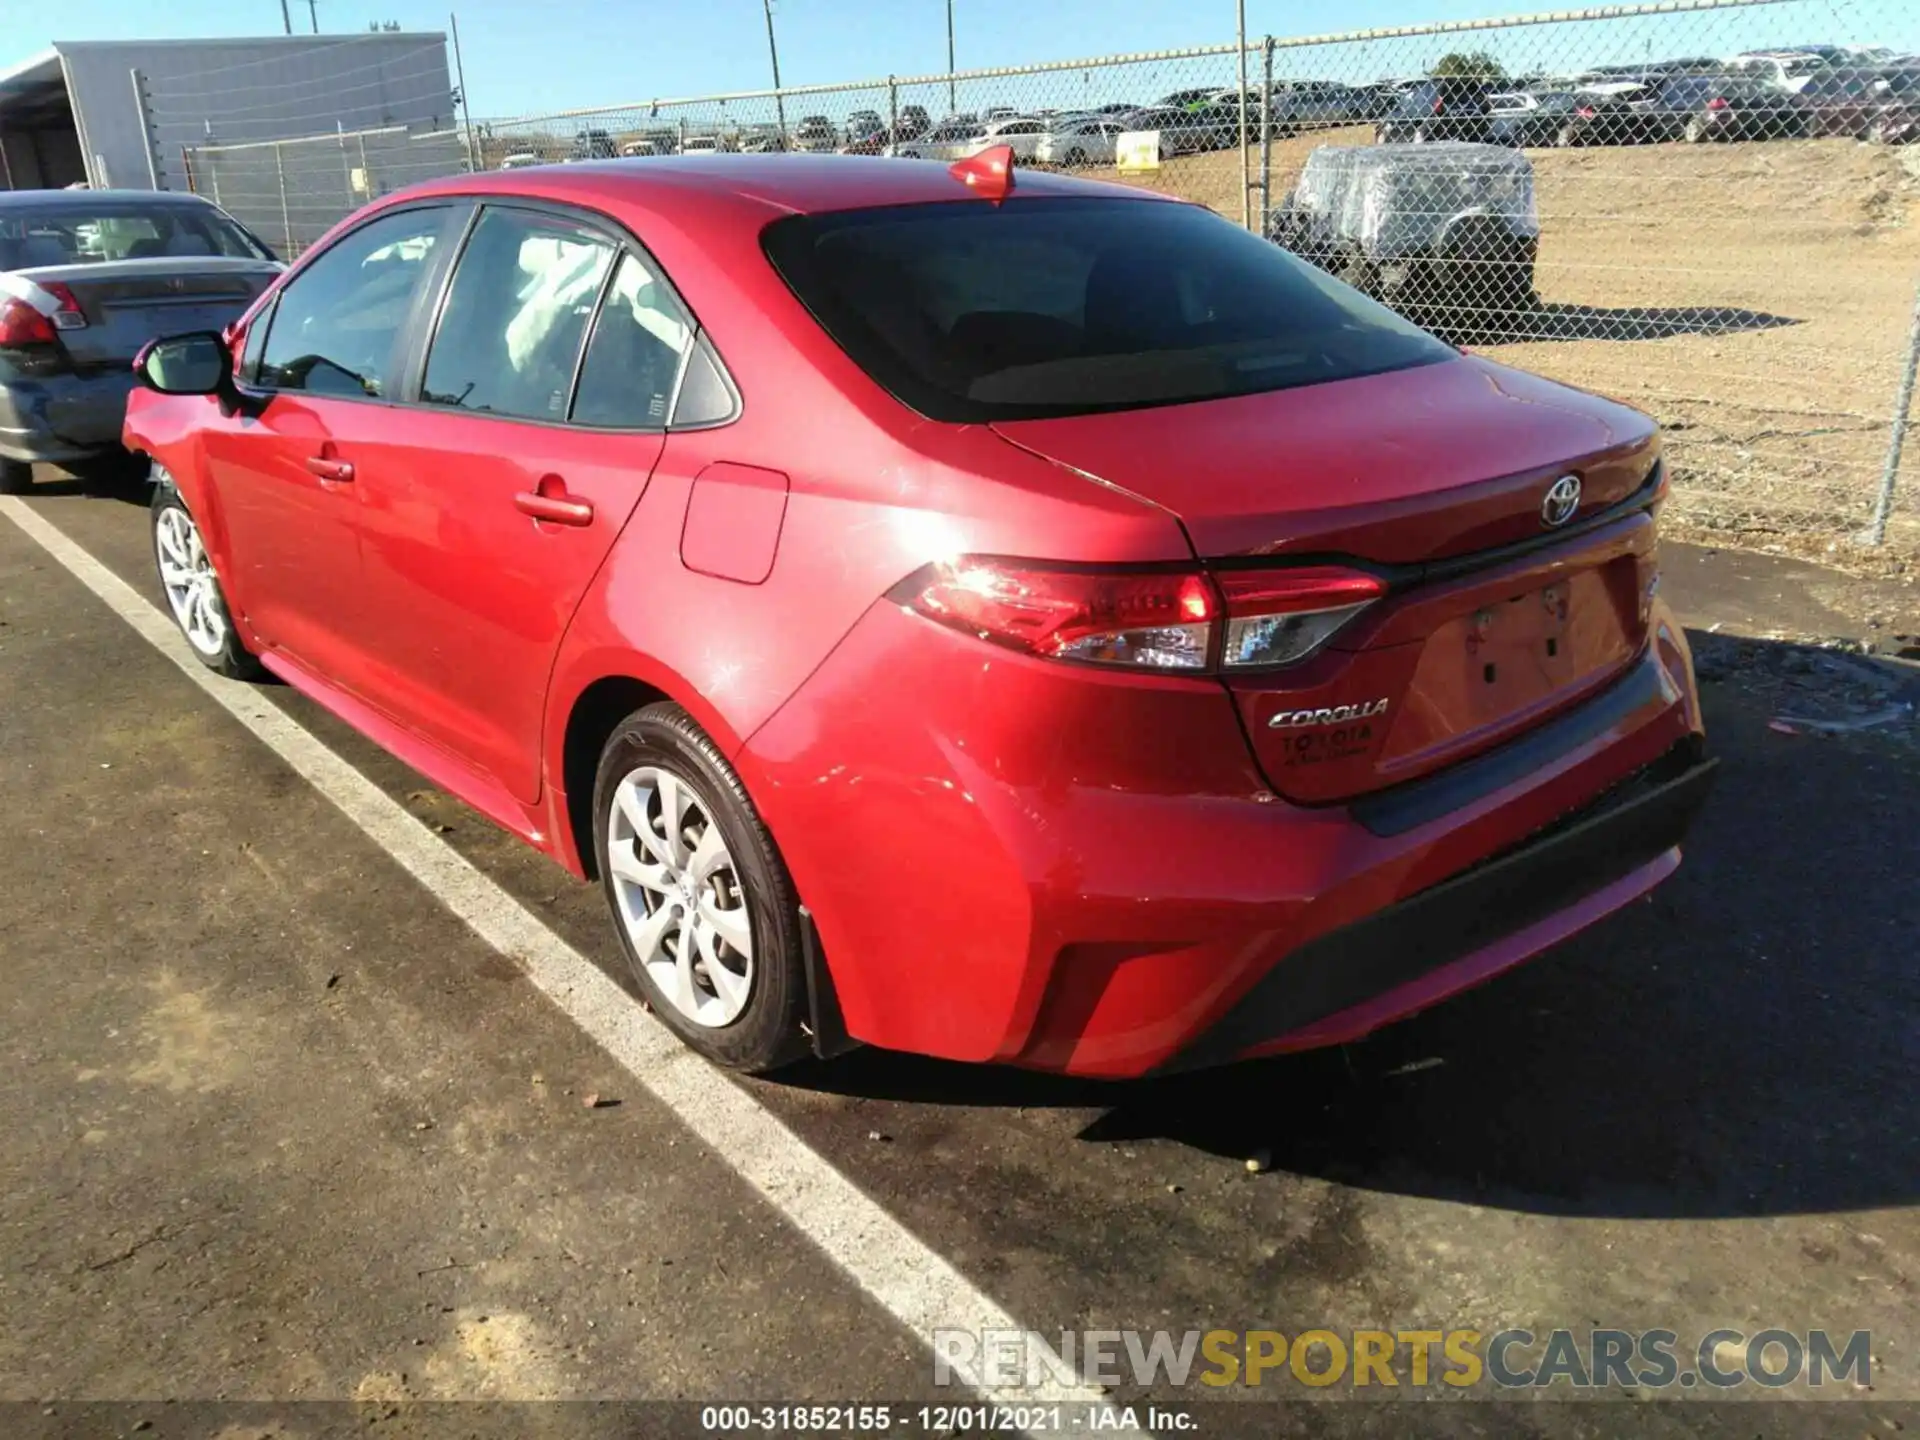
1468 929
1050 867
60 418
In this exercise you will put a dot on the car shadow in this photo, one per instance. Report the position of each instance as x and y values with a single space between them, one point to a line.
1639 322
114 479
1739 1044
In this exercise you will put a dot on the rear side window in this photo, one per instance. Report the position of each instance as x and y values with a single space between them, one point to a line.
335 323
968 312
516 315
634 358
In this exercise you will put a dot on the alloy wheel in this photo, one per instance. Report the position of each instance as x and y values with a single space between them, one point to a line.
680 896
186 573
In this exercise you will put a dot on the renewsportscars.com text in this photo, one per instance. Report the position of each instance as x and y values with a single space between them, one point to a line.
1719 1360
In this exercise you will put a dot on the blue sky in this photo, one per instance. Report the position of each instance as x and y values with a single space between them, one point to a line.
524 56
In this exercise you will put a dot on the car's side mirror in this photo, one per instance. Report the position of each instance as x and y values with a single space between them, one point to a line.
196 364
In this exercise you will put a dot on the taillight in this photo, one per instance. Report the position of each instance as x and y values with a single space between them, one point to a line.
1439 106
1148 619
21 325
1585 112
31 310
1718 102
69 316
1157 620
1280 617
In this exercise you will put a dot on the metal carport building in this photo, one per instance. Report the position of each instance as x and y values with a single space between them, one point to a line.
122 113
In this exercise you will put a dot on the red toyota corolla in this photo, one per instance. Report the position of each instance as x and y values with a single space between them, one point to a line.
1053 627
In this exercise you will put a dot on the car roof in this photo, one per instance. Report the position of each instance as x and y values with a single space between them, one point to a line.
790 184
23 199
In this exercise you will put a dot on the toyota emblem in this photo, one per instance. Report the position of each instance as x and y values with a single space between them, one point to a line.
1561 500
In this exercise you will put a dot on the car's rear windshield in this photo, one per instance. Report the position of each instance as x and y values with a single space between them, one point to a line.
83 232
970 312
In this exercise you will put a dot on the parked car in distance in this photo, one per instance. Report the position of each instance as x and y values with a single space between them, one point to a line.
1315 105
1530 119
1169 715
1090 140
1446 232
1021 134
1898 122
1699 108
1180 133
520 160
949 140
913 122
864 122
815 135
1846 100
87 277
1621 112
593 145
1789 70
1190 99
1439 109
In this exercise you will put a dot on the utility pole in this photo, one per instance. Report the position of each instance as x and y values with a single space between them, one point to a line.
779 101
460 78
953 105
313 14
286 17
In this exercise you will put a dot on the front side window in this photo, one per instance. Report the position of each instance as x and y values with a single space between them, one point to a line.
336 323
516 314
971 312
633 360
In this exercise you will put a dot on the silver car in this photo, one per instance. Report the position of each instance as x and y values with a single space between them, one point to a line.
87 277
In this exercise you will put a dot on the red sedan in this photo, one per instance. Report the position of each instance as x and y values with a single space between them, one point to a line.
1053 627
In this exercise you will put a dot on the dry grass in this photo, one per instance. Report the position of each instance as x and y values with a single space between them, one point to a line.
1755 297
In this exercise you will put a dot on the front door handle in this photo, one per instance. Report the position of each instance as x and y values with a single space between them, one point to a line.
327 468
552 503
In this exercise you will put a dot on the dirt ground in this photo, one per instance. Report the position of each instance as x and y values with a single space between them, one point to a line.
1756 297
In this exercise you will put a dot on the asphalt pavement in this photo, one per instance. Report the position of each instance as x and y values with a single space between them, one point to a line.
278 1126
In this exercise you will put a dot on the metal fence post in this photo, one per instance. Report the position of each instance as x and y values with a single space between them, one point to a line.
145 108
1897 437
186 167
1246 180
346 168
366 175
286 220
1266 136
893 112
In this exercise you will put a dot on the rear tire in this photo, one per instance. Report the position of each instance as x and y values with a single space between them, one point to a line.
16 477
701 899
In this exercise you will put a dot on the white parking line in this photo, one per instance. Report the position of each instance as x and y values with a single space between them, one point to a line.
893 1266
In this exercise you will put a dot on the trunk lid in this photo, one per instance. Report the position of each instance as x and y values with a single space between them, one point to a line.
1436 480
129 302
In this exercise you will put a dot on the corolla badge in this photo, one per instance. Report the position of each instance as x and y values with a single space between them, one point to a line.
1560 501
1329 715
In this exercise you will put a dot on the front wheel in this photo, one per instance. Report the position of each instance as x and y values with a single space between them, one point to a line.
705 909
194 597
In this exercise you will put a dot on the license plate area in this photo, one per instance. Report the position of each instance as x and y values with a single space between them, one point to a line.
1508 661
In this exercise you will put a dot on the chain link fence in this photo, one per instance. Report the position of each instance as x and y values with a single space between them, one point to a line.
289 192
1705 208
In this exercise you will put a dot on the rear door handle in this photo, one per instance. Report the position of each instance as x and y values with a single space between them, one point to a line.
561 509
338 471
